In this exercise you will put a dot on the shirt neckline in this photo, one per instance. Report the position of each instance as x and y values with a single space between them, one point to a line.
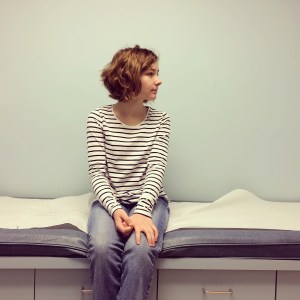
127 125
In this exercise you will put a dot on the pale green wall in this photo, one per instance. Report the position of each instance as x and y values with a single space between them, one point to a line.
231 72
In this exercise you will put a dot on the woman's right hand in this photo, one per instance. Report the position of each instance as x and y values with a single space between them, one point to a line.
121 222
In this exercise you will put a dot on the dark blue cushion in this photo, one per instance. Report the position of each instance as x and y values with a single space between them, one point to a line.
242 243
57 241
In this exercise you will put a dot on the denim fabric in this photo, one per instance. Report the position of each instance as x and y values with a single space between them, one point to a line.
121 269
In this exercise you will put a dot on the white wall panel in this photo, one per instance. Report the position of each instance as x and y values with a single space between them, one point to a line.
230 71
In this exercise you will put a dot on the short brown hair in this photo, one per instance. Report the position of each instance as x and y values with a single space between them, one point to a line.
122 76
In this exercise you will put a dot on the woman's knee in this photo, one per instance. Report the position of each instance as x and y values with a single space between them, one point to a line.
98 248
141 252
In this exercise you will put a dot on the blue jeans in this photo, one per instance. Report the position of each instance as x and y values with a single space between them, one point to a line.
121 269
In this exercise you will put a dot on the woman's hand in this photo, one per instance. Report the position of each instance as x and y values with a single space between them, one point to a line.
144 224
121 222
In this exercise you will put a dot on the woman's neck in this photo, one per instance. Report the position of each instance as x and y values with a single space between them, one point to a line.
131 112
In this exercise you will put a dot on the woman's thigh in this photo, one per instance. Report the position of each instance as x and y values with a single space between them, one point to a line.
160 216
102 231
100 223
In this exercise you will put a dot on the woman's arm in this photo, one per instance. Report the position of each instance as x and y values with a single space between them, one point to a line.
97 164
157 163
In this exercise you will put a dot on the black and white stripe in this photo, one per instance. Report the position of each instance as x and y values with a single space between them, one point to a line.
127 163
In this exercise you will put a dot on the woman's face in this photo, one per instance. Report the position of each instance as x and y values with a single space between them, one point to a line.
150 83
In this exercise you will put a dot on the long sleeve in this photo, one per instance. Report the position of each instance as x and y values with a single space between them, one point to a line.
97 164
156 166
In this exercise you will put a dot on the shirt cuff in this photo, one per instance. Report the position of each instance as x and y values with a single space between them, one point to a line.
144 207
113 209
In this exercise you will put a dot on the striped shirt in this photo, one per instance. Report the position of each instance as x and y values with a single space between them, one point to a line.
127 163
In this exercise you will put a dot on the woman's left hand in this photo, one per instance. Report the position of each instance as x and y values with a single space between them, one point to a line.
143 224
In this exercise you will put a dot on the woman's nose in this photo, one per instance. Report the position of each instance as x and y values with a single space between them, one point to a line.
158 81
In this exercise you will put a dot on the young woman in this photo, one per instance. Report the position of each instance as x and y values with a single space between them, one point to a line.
127 152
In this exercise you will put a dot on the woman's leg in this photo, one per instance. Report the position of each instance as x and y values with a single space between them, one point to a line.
139 260
105 249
